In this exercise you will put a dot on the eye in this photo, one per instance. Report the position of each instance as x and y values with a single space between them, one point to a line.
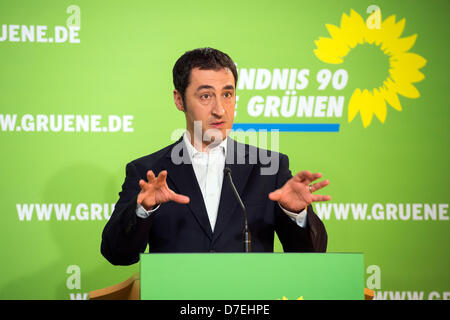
228 94
205 96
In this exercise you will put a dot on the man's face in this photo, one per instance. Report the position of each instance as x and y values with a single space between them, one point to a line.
209 100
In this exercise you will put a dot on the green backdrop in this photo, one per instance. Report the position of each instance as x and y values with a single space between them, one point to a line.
359 93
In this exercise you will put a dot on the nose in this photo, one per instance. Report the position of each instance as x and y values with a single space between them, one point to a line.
217 109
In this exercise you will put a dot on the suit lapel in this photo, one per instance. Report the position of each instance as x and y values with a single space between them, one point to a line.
181 174
237 161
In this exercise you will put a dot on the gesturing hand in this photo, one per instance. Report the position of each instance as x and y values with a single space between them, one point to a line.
296 194
155 191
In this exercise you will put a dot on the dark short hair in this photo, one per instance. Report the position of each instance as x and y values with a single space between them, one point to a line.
204 59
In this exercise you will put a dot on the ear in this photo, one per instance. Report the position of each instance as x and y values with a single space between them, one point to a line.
178 100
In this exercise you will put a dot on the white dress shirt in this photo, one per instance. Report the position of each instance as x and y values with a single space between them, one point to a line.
208 168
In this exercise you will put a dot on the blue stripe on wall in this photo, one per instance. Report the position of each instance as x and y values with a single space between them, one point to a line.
289 127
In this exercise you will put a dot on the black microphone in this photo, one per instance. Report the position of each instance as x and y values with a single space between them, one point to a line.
247 239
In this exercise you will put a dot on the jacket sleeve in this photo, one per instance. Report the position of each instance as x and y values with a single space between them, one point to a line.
313 237
125 235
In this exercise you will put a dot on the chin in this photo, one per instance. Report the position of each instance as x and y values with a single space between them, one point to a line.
213 134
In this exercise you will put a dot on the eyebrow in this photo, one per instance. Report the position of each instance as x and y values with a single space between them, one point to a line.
227 87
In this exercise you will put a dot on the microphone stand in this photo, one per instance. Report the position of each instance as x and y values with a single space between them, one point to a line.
247 237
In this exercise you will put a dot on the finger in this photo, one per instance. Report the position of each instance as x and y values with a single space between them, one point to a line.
275 195
161 177
318 198
315 176
150 176
319 185
142 184
304 176
179 198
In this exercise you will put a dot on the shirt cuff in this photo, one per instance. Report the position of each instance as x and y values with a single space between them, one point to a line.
142 213
299 218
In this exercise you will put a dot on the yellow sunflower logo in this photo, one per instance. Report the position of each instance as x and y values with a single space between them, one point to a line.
403 65
284 298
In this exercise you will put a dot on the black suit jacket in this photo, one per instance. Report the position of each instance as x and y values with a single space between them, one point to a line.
186 228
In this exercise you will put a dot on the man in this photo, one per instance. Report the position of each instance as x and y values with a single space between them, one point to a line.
177 199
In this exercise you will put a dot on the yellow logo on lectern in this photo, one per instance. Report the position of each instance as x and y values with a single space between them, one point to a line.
284 298
403 65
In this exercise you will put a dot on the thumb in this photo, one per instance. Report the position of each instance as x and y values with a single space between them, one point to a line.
275 195
179 198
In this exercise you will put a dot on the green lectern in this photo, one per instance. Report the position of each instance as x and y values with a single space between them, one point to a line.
252 276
